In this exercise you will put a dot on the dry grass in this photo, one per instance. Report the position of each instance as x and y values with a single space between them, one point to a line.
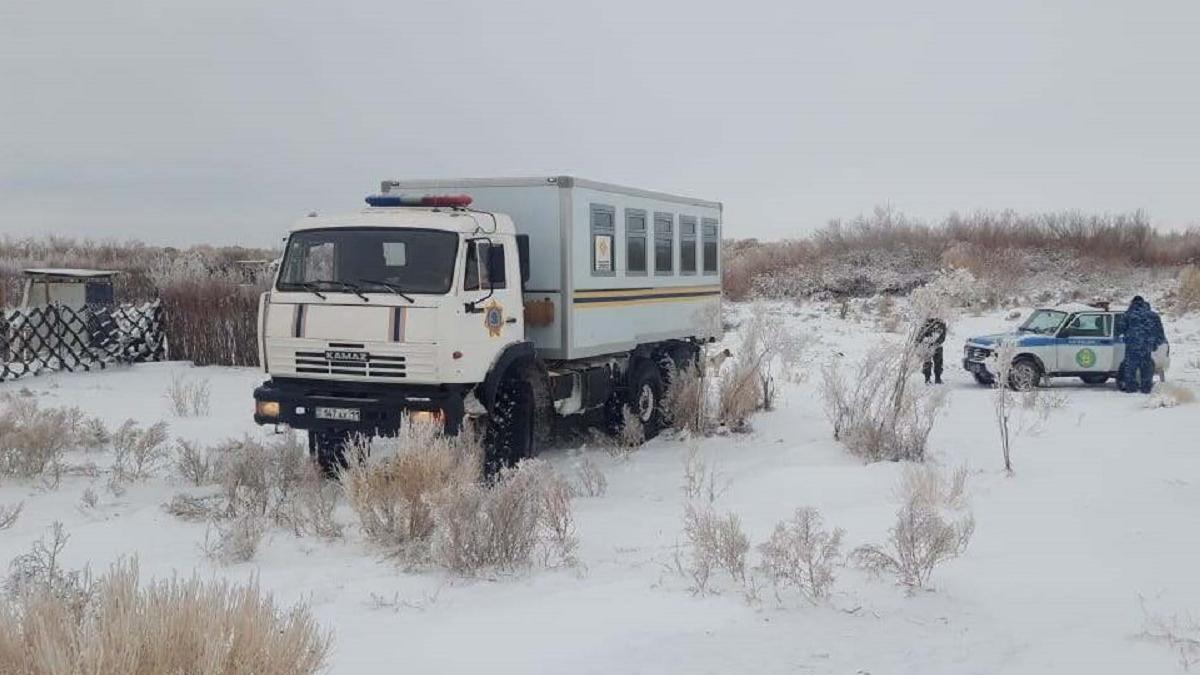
686 402
195 464
393 497
166 626
1179 632
189 397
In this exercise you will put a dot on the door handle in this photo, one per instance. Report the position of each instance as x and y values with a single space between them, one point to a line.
511 319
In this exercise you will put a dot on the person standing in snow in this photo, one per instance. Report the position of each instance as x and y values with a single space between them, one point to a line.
930 341
1143 334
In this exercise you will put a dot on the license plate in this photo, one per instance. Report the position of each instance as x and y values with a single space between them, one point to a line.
339 414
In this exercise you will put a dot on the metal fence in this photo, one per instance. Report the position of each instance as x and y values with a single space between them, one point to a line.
52 338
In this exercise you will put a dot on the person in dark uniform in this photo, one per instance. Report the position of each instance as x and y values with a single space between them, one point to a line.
1143 334
930 341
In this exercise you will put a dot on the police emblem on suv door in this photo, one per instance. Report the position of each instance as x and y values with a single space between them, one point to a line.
493 318
1086 358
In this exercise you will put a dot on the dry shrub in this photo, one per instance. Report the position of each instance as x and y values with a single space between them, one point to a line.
592 482
260 485
875 412
1169 395
740 392
802 554
393 497
9 515
188 397
715 542
41 571
500 525
926 533
164 626
139 452
686 403
33 439
235 539
194 463
211 319
1180 632
1187 291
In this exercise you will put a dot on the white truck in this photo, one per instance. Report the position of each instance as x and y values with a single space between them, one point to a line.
498 302
1073 340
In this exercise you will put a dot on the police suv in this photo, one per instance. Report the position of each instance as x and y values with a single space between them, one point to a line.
1073 340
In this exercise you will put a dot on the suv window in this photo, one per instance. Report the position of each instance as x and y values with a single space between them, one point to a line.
1089 325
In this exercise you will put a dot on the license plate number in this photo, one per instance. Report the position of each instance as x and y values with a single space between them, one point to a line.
339 414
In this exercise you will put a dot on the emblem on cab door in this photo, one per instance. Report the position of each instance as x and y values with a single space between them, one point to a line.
493 318
1086 358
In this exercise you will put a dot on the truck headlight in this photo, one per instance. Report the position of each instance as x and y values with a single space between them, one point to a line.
267 408
426 416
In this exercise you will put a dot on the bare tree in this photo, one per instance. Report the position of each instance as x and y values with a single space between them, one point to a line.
1002 398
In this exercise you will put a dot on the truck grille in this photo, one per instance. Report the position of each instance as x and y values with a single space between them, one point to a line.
373 365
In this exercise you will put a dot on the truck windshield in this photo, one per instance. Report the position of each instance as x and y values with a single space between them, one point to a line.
1043 322
371 259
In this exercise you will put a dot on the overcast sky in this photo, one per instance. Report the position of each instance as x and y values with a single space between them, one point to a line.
221 121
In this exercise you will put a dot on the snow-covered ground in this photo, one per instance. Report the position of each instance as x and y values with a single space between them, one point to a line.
1102 511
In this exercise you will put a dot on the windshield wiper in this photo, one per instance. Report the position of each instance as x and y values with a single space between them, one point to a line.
345 285
311 288
395 288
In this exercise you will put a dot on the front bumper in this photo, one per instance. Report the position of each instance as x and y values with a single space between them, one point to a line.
381 407
978 368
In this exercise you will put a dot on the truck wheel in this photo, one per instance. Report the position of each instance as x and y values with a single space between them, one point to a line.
644 398
510 431
1024 374
1094 379
328 450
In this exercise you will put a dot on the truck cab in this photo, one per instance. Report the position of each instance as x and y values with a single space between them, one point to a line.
1073 340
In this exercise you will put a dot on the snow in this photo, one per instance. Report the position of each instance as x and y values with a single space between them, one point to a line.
1100 512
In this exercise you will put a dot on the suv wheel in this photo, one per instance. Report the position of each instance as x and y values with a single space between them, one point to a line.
1024 375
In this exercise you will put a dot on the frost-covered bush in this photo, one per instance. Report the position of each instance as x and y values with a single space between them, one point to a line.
715 542
876 412
930 529
33 439
189 397
138 452
590 479
122 625
501 524
9 514
801 554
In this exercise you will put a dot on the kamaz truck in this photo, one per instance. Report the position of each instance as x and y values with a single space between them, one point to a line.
500 303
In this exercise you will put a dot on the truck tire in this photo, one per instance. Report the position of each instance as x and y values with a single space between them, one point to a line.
645 398
1024 375
1094 379
328 450
509 436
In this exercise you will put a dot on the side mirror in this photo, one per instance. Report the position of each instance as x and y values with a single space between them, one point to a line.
523 256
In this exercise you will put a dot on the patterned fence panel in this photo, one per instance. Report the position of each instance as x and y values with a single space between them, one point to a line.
51 338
